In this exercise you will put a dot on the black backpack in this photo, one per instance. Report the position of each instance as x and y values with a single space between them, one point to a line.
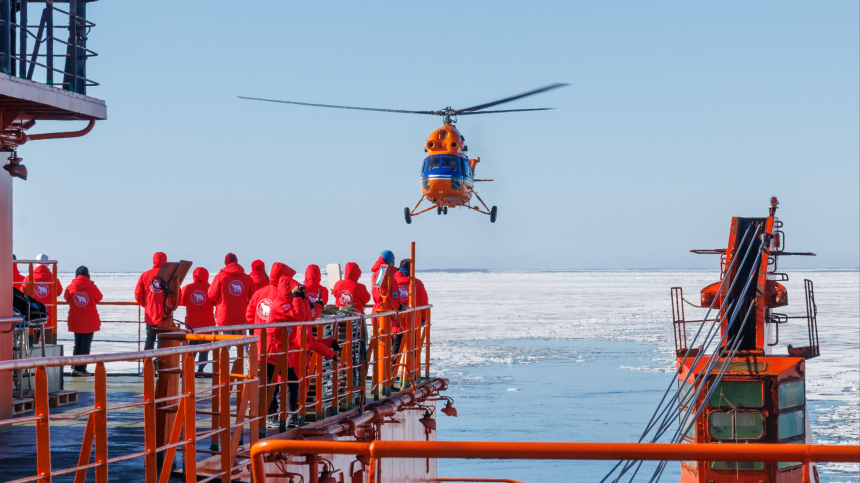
28 307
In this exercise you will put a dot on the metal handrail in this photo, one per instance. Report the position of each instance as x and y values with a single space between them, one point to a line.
119 356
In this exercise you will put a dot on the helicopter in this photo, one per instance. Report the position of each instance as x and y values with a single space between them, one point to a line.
447 173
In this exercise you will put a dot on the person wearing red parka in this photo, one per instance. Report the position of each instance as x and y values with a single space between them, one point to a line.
260 306
348 291
230 291
385 260
82 296
149 295
313 288
401 277
199 309
258 274
45 287
292 305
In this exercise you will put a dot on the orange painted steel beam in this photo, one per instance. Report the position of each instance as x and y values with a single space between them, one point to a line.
558 451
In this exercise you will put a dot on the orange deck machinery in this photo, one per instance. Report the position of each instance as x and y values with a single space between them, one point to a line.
744 392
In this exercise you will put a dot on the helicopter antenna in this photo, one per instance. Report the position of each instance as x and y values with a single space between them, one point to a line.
449 114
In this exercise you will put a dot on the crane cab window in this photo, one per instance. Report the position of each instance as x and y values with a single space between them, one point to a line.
791 425
451 162
732 425
745 394
791 394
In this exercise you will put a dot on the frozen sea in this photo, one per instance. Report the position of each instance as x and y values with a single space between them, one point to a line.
582 356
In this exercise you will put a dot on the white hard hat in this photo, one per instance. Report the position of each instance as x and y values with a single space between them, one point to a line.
42 257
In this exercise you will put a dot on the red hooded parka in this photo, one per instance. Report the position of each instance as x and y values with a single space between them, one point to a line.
403 294
148 293
260 307
377 300
349 292
42 276
258 274
199 308
312 285
297 309
231 290
82 296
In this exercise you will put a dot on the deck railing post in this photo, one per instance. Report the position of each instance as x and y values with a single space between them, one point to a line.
335 377
189 451
150 460
284 371
427 344
350 367
254 388
43 430
263 371
224 410
302 373
385 355
374 358
216 395
100 429
318 393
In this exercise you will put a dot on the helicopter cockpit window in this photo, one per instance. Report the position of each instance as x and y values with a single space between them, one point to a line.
467 168
451 162
431 162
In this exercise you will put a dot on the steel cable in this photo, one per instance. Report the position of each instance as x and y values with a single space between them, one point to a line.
707 340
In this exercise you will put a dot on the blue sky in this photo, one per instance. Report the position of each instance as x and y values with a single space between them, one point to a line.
679 115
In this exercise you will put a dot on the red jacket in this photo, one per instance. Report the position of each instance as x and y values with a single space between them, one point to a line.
377 299
258 274
148 293
82 296
349 292
312 284
403 295
42 276
199 308
231 290
297 309
17 278
260 307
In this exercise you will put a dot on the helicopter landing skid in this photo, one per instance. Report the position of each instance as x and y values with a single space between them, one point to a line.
491 212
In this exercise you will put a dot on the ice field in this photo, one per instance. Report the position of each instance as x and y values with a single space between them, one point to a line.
581 356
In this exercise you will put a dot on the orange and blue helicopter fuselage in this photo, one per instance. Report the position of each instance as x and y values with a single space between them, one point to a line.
447 174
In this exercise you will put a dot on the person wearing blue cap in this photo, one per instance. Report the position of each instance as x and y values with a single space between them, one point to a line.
385 260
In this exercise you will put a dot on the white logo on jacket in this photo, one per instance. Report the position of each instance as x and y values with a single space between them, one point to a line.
312 298
236 287
198 297
404 293
41 290
263 309
81 299
155 286
344 298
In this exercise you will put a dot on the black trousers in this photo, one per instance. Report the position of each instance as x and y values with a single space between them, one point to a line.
292 390
150 337
395 345
82 348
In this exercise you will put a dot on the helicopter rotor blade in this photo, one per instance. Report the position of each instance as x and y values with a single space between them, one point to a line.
506 110
340 107
509 99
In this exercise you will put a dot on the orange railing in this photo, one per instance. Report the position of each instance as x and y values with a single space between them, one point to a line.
169 409
548 451
348 389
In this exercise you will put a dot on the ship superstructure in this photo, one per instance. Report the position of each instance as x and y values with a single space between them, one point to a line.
744 392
